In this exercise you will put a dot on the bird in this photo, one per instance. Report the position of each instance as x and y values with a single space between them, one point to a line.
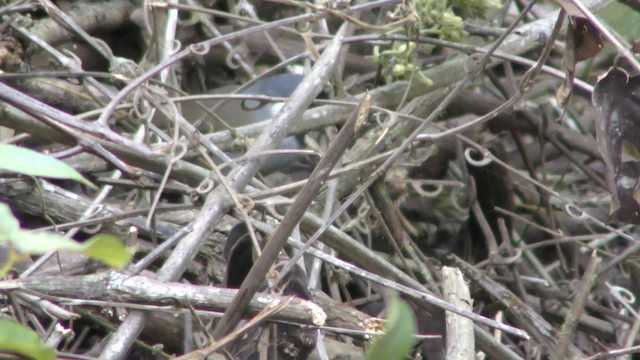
242 112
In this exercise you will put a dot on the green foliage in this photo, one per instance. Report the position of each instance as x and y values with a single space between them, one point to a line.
475 8
440 18
399 337
446 18
437 18
18 339
29 162
108 249
19 243
400 59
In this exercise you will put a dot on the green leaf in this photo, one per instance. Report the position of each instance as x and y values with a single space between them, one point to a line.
29 162
9 257
18 339
41 242
108 249
9 225
9 228
399 337
102 247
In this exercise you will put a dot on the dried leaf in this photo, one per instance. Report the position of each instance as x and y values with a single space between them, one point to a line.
616 98
583 42
586 39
